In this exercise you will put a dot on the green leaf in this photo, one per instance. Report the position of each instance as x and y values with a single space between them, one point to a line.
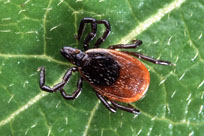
32 33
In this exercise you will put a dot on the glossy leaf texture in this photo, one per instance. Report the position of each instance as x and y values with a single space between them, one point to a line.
32 33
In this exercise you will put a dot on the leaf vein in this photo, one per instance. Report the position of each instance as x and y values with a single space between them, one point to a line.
44 25
192 44
90 118
151 20
23 108
45 57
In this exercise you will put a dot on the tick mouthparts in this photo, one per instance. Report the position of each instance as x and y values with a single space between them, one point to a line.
62 50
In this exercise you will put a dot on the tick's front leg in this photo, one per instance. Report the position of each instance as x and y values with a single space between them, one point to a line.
75 94
57 86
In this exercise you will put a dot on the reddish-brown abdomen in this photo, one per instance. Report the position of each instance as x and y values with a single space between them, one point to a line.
133 80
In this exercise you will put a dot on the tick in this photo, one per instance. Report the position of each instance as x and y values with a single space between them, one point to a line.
115 76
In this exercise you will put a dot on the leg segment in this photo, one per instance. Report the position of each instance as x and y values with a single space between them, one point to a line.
128 109
75 94
105 34
56 87
91 35
116 105
161 62
108 106
135 44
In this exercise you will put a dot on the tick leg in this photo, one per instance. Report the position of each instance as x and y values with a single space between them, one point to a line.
108 106
91 35
128 109
105 34
161 62
135 44
56 87
75 94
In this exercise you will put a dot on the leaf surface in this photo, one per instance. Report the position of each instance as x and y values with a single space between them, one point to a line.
32 33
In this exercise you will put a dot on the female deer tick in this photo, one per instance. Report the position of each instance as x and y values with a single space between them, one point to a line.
114 75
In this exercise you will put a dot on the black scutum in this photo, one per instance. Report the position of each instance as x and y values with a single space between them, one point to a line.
100 69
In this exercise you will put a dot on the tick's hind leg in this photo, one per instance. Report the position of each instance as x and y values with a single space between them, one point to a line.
128 109
56 87
105 34
75 94
135 44
91 35
105 102
161 62
113 106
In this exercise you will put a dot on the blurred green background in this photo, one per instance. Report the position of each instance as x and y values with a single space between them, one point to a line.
32 33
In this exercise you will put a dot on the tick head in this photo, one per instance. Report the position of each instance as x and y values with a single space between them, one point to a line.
73 55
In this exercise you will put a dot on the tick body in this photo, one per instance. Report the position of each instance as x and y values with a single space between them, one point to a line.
115 76
123 79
